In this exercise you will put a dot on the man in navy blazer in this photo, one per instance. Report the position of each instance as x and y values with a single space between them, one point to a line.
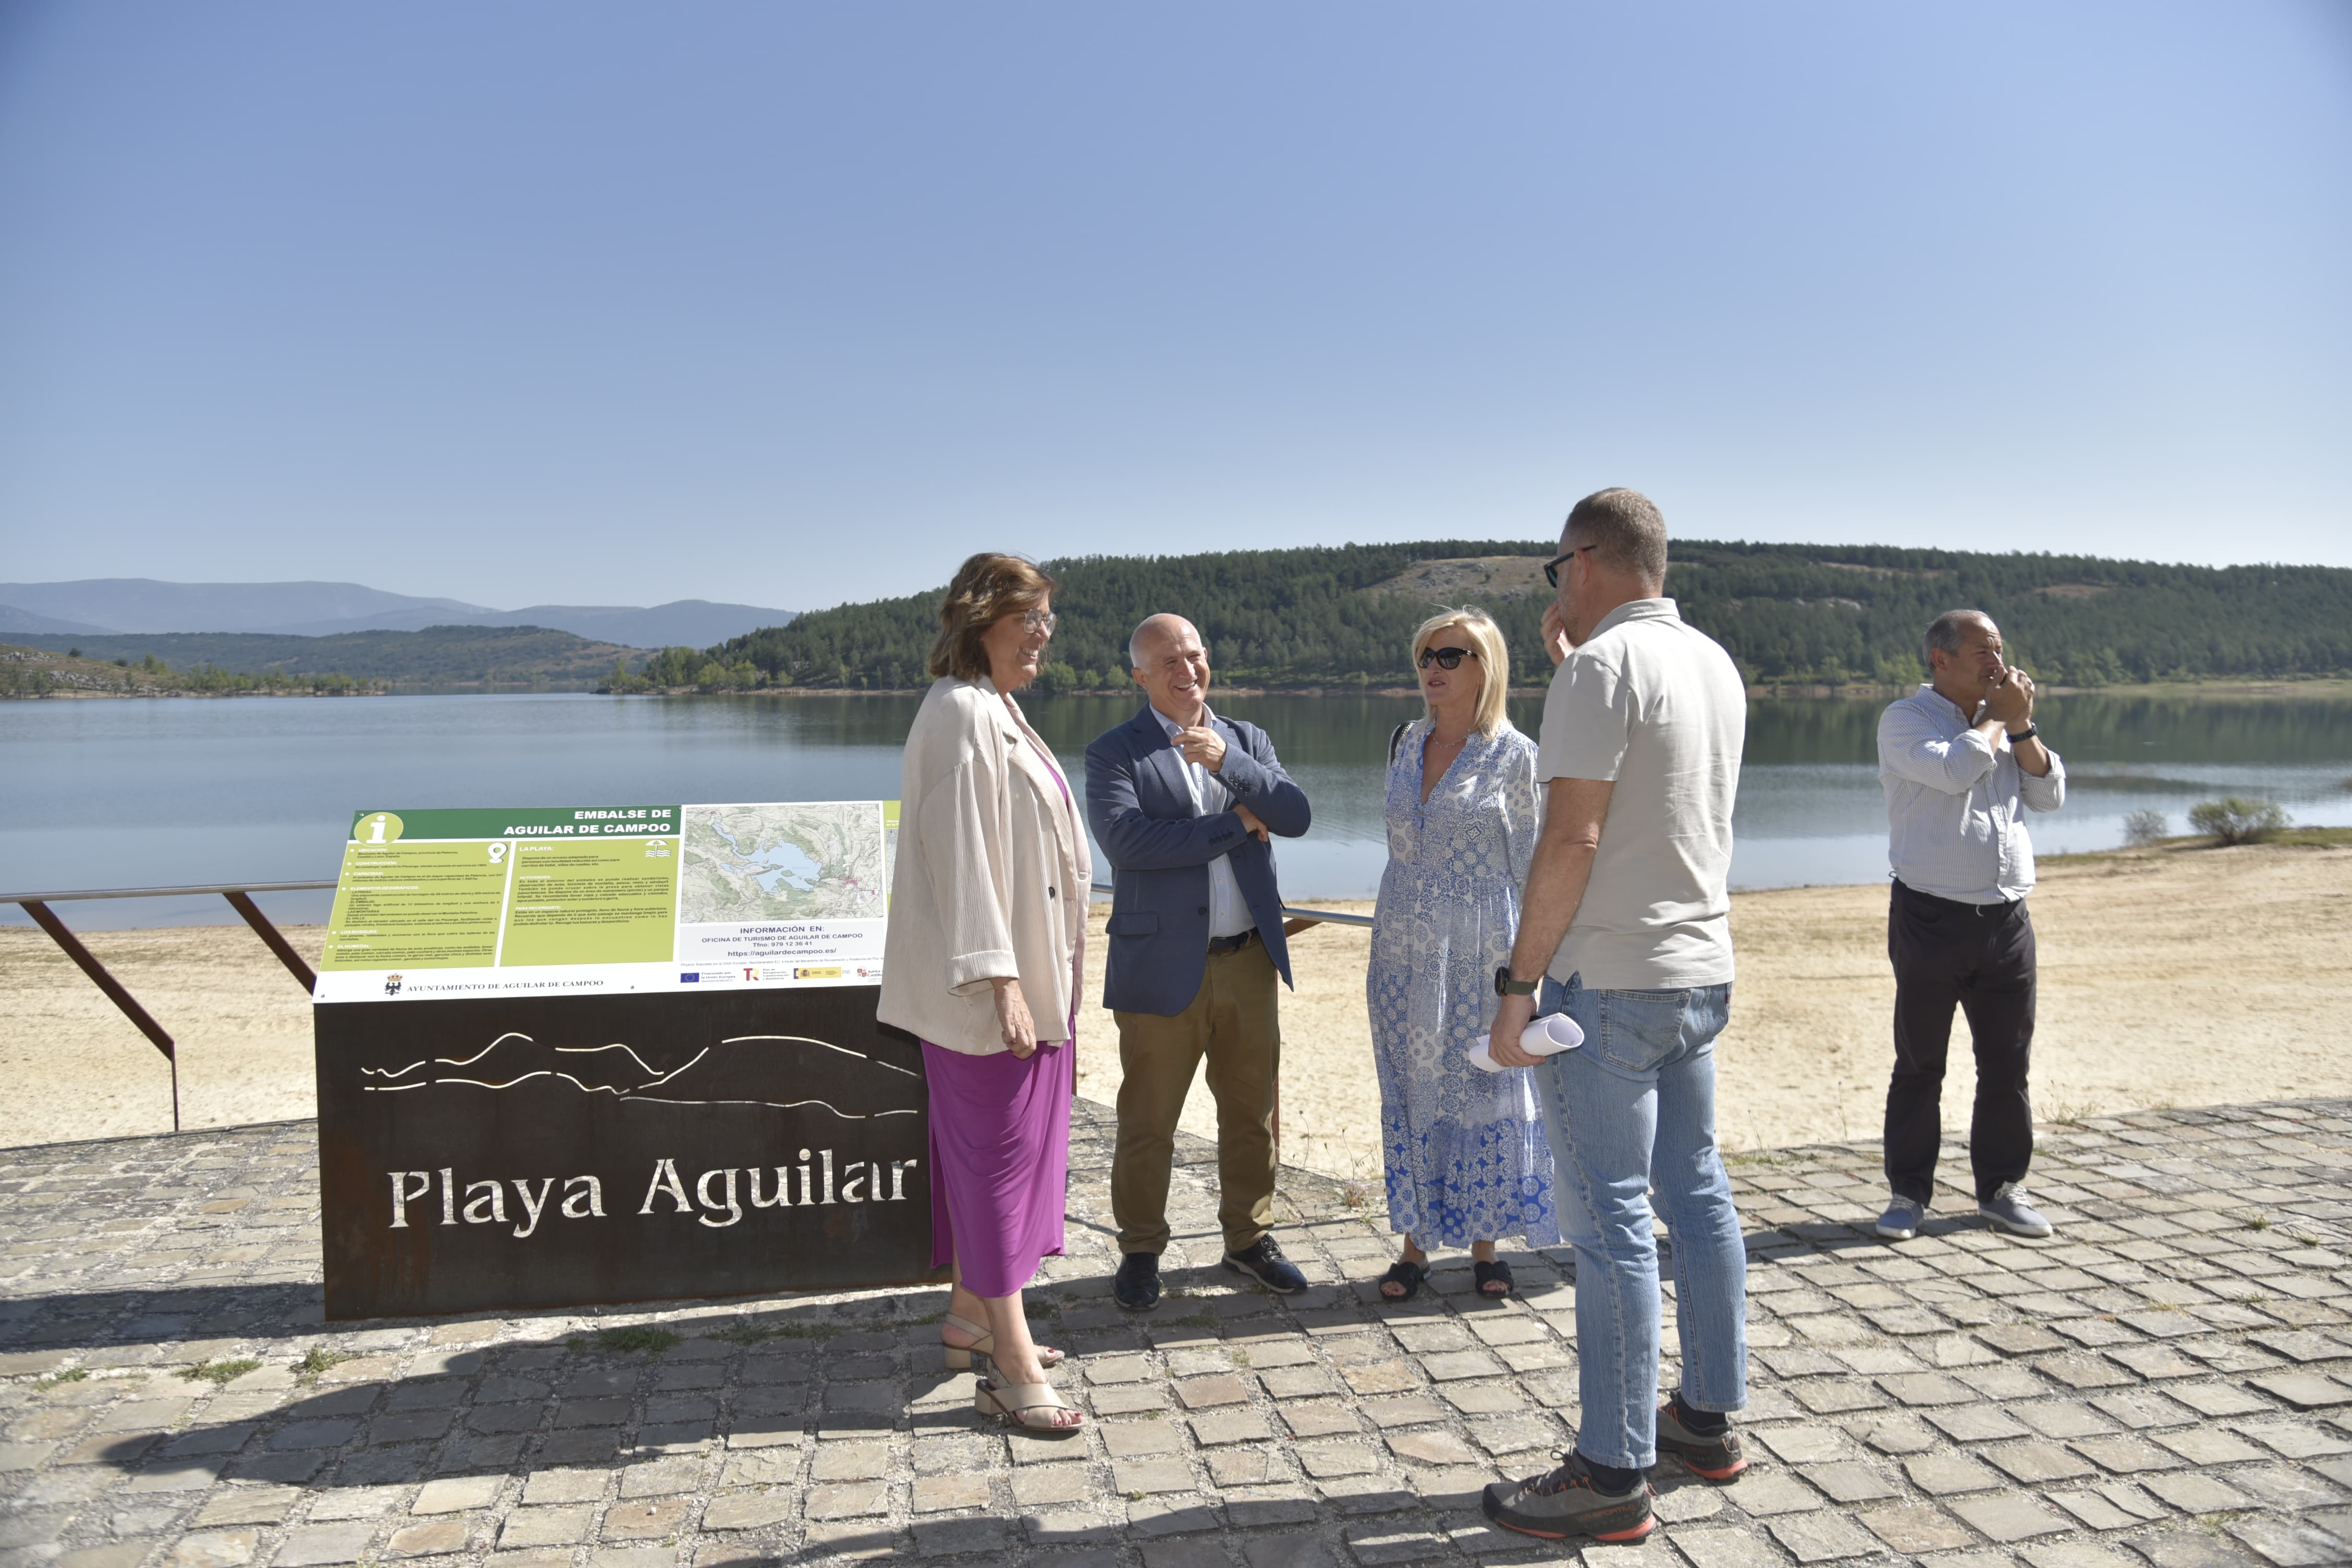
1182 802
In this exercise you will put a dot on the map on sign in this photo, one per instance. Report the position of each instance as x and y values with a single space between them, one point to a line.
784 861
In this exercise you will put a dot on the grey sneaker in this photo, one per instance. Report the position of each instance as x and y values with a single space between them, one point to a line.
2008 1209
1901 1220
1567 1502
1714 1455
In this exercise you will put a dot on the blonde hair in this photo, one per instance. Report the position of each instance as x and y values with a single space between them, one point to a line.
987 588
1493 660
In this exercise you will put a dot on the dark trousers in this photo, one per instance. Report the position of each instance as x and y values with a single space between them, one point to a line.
1980 958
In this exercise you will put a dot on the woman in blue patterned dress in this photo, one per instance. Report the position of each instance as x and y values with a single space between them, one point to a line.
1467 1162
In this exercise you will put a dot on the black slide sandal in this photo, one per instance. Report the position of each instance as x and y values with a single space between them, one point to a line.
1407 1273
1496 1272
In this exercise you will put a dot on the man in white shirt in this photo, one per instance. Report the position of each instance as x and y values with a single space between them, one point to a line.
1962 763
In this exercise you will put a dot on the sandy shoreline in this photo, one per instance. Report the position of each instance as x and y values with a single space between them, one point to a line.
2170 977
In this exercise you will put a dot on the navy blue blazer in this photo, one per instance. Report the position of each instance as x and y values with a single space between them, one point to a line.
1141 814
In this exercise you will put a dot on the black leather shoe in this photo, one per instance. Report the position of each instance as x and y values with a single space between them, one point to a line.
1263 1261
1137 1288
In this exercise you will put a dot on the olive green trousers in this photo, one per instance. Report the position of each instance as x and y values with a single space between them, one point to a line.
1235 1020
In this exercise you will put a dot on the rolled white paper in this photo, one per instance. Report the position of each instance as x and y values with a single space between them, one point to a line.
1546 1036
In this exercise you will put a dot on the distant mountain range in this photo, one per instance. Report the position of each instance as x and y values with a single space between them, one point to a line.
97 607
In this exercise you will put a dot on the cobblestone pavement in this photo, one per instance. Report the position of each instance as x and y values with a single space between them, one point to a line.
2168 1382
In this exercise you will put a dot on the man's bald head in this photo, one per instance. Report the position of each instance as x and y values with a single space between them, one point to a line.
1153 630
1171 665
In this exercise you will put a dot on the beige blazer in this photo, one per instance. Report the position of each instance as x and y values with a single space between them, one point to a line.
991 879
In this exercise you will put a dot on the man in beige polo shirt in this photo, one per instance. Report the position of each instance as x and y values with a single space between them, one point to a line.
1625 927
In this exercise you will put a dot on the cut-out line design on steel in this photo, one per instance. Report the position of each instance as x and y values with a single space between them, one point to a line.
621 1092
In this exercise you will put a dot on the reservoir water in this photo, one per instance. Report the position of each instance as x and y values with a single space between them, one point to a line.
100 793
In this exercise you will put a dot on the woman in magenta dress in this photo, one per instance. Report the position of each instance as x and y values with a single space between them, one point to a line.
983 963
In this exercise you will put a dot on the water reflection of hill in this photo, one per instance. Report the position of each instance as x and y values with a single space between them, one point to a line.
2091 727
2111 726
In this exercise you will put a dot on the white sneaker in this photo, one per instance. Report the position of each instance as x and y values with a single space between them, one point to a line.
2008 1209
1901 1220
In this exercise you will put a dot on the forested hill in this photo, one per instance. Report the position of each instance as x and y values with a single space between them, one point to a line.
1344 616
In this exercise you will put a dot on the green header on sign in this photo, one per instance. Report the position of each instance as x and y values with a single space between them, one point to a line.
529 822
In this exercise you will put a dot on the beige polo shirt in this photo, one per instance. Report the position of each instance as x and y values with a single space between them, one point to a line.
1657 706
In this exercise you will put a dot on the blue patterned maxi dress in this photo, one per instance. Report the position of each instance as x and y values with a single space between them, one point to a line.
1466 1151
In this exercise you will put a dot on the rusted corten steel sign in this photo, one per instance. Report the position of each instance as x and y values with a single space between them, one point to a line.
552 1150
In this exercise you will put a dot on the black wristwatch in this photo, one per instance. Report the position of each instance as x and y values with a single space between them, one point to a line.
1506 986
2028 733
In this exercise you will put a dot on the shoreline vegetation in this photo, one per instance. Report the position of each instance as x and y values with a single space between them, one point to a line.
453 660
2175 974
29 674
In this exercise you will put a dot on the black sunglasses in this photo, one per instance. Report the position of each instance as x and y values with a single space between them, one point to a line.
1552 566
1446 657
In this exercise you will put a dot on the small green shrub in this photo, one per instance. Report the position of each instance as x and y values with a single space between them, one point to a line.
218 1372
636 1337
317 1360
70 1374
2235 819
2146 826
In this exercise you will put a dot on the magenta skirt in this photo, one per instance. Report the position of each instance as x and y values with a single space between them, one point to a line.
1000 1160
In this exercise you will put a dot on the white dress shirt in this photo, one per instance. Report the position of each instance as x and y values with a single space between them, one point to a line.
1228 913
1955 803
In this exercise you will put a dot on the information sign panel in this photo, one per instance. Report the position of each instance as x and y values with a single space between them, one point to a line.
603 900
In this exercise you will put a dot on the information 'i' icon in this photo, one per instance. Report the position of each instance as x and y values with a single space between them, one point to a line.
379 827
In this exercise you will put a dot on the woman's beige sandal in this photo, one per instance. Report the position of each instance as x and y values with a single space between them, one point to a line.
1028 1405
983 1345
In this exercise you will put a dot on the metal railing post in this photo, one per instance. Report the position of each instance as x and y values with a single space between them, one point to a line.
243 904
48 921
37 905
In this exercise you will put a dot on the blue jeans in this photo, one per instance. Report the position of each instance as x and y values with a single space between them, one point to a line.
1630 1112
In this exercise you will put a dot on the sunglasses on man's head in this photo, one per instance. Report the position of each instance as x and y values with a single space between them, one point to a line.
1446 657
1552 566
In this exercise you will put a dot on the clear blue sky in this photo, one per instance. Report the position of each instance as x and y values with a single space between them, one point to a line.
799 303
